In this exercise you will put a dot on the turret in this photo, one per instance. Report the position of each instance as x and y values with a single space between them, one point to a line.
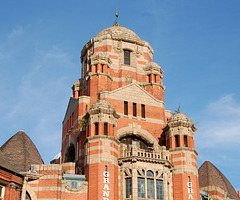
180 142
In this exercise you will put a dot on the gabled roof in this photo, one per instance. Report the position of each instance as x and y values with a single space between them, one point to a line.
20 152
210 175
132 92
72 104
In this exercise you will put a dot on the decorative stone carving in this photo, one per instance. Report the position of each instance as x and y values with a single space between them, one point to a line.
118 47
153 68
129 79
100 58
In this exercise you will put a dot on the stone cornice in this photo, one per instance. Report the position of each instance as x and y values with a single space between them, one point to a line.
182 149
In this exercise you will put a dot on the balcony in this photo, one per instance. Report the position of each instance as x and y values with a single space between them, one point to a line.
134 154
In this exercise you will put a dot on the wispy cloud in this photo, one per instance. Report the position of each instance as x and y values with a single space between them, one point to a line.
220 124
16 32
40 99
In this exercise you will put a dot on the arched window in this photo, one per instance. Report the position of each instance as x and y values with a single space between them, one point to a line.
128 140
153 183
150 185
70 154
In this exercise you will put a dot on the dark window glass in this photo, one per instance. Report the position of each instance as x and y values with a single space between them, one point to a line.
128 189
159 185
127 57
125 108
185 141
141 187
105 128
150 189
150 173
177 141
155 78
96 128
149 78
143 110
134 109
128 141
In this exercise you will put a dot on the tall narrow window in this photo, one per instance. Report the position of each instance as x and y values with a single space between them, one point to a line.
125 108
185 141
105 128
150 185
155 78
150 189
159 185
149 78
176 140
134 109
143 110
127 57
128 187
96 128
141 187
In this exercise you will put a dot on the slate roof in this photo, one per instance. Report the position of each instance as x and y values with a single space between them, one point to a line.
210 175
20 152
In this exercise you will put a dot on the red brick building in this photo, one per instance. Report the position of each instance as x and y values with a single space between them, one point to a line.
118 141
116 128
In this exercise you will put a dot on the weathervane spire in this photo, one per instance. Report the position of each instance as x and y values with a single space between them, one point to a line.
116 20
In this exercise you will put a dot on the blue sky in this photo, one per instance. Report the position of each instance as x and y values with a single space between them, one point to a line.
196 43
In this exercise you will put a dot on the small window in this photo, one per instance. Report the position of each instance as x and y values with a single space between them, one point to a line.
96 128
155 78
74 184
127 57
150 173
105 128
125 108
176 140
143 110
185 141
149 78
134 109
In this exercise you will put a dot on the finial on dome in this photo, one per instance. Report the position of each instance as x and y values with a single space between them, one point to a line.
116 20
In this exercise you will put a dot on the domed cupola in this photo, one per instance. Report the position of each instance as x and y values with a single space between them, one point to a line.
180 131
103 116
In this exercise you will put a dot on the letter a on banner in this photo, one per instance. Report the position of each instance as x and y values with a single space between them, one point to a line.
190 196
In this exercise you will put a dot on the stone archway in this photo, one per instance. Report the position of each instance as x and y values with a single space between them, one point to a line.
69 154
135 130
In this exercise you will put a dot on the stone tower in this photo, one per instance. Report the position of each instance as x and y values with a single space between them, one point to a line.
180 142
116 128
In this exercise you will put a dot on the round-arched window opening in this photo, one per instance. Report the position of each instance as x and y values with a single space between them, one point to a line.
70 154
128 140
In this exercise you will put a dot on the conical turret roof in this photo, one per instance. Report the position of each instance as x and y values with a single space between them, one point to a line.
20 152
210 175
